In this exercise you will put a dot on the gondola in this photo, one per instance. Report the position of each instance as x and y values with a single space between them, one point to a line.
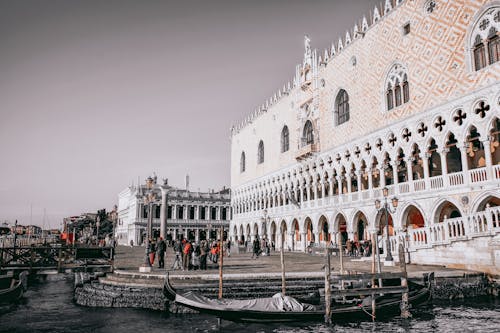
287 309
12 289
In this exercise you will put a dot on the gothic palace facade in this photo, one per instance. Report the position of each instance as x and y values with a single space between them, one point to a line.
176 213
408 101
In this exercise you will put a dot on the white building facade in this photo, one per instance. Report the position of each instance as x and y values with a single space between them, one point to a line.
176 213
408 101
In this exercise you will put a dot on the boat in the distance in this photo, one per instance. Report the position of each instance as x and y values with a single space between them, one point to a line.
12 289
281 308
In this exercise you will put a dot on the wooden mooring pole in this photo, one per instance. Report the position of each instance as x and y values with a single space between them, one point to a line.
221 262
405 312
328 289
374 305
282 253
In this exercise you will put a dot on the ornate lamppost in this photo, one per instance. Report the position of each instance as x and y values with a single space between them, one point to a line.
386 207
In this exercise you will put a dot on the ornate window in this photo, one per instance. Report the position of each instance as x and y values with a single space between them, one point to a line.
397 87
285 139
307 134
260 153
242 162
485 40
341 108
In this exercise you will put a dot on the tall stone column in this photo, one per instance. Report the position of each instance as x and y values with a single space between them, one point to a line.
370 182
304 241
444 166
395 177
465 164
425 162
163 213
487 156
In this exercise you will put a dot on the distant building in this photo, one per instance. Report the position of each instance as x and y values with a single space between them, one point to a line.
177 213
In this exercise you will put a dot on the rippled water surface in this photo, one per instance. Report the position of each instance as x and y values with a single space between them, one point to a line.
48 307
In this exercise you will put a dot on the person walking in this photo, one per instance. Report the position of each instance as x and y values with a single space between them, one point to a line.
160 250
256 249
204 249
186 255
152 251
177 261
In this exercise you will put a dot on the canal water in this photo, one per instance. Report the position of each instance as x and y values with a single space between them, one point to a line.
48 307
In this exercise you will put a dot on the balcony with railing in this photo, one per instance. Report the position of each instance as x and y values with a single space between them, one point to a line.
306 151
436 184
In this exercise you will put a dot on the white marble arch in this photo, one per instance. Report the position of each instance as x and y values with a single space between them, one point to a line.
436 208
479 200
403 214
357 212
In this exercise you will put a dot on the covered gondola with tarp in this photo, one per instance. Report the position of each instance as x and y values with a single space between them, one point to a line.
281 308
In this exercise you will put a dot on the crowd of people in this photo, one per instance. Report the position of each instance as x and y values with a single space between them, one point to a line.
187 255
358 248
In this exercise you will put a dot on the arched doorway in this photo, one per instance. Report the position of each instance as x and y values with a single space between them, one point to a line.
309 230
324 234
360 227
341 227
296 234
273 232
413 219
242 235
256 231
446 210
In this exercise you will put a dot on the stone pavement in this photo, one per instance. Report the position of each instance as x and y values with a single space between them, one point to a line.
128 259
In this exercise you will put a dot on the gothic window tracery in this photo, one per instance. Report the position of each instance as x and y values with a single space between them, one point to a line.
342 107
397 87
260 153
485 40
242 162
285 139
307 134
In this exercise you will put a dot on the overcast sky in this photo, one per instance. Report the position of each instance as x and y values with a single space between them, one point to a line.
94 94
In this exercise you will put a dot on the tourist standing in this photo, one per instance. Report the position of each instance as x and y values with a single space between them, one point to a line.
152 251
228 247
204 249
161 248
178 251
186 255
256 248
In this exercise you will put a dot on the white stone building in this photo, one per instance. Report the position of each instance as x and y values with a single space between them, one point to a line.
177 213
408 100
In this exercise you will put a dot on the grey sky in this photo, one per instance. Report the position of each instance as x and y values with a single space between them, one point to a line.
94 94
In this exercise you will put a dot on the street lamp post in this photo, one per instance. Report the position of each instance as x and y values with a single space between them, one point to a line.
387 209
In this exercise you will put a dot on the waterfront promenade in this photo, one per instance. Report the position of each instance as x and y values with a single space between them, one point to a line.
128 259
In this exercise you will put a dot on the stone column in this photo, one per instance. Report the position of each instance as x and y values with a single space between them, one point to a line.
425 162
360 183
444 166
409 172
395 177
290 242
197 235
487 156
370 182
349 183
304 241
382 177
163 213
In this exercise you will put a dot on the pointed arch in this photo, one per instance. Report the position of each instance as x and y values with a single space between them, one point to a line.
285 139
341 113
242 162
260 152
